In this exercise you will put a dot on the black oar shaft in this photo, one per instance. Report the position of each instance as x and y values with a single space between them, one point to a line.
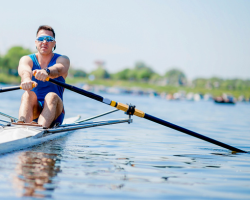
7 89
78 90
141 114
192 133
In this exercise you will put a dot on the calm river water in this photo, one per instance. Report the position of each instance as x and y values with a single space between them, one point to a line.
142 160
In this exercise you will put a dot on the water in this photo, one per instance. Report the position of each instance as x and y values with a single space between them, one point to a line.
142 160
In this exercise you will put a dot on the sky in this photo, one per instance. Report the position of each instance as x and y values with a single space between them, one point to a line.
203 38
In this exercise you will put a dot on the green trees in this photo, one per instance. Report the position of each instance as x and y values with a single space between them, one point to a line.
144 72
122 75
140 72
175 77
9 62
77 73
218 83
1 62
100 73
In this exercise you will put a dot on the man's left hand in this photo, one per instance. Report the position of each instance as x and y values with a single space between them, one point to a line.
41 75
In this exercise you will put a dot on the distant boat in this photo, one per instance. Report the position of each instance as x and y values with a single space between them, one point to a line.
224 101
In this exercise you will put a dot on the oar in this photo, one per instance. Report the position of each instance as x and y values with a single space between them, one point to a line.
133 111
7 89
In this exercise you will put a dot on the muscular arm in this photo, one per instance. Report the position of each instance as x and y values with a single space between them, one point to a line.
25 72
60 68
25 68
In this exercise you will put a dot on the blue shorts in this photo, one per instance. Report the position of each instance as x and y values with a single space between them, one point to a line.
58 121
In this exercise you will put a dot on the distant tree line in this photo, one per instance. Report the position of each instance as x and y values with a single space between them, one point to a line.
140 72
9 61
143 73
218 83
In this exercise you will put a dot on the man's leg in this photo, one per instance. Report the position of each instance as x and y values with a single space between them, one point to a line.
53 107
29 108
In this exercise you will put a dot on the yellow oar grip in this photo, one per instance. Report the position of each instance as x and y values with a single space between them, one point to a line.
121 106
124 107
34 74
139 113
33 85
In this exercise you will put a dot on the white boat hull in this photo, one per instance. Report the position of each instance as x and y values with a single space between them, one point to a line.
17 137
28 142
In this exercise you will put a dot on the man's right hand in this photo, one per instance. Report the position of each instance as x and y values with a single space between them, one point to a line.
28 85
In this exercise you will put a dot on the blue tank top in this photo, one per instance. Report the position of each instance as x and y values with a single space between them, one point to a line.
44 88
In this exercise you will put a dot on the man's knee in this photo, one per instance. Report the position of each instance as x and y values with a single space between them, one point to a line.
29 95
52 97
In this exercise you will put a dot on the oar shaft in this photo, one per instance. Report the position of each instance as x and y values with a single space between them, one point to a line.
7 89
192 133
141 114
78 90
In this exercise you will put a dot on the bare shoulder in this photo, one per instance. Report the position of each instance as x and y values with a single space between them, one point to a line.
26 60
63 58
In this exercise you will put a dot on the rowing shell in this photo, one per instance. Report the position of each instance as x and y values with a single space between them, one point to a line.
17 137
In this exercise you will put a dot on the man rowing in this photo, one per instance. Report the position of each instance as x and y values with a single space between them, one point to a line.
43 103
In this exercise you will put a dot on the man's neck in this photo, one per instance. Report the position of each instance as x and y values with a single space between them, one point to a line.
44 59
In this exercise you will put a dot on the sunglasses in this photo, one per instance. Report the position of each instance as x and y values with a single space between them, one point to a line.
47 38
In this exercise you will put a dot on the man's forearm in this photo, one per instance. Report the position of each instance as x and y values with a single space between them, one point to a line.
25 75
54 72
57 70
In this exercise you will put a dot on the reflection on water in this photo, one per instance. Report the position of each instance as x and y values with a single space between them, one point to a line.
35 172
